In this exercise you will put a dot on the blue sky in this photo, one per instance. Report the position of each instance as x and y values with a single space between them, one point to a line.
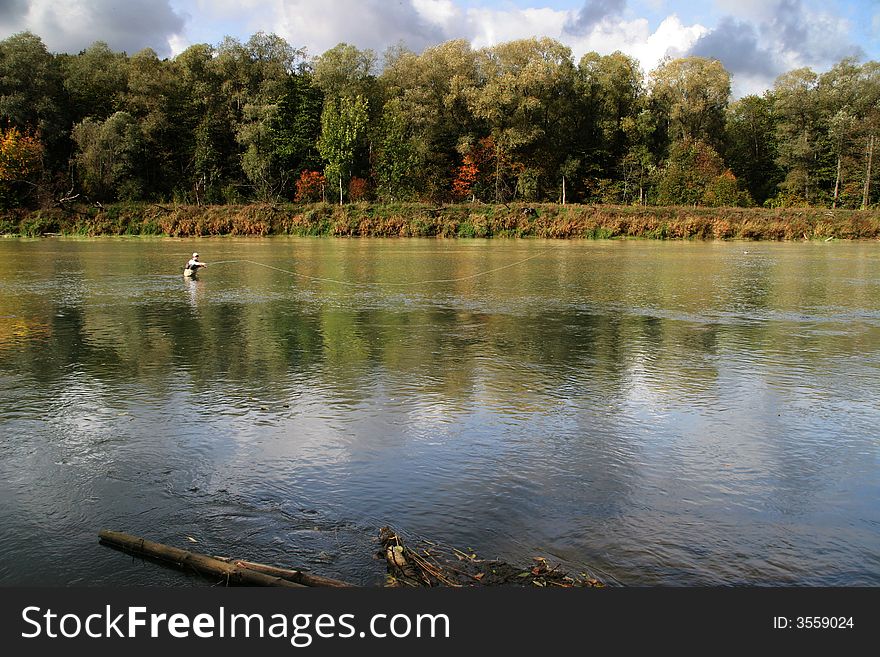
755 39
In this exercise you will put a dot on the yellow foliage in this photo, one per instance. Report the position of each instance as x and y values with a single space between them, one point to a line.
20 155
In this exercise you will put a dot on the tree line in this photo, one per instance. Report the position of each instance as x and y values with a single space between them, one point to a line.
260 121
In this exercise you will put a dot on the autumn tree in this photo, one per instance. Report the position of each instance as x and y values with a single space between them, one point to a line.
20 163
475 178
691 168
430 91
524 85
310 187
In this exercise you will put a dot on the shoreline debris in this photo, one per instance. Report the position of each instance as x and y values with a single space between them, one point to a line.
427 564
419 564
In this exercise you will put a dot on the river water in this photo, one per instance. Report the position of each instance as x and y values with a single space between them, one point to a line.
648 413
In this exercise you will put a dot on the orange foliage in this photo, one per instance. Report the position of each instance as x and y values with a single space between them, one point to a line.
467 176
475 166
310 187
20 155
357 189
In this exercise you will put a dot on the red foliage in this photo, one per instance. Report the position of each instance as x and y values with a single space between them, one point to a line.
474 168
310 187
357 189
467 175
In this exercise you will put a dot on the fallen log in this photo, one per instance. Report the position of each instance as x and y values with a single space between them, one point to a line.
186 560
298 576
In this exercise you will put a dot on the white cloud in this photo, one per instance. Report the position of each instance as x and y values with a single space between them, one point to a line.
420 23
73 25
439 12
785 33
775 36
671 38
487 27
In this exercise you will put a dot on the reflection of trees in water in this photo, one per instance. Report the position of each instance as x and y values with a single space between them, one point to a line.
442 347
662 323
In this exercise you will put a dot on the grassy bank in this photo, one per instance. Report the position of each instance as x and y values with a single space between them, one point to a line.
462 220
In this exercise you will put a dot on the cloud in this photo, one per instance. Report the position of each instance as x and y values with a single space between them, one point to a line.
776 36
12 11
366 23
735 44
808 38
73 25
795 32
756 40
484 27
592 13
321 24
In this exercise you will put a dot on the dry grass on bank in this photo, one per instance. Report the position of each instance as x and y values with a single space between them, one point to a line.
458 220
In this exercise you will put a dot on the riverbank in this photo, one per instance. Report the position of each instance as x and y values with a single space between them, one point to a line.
460 220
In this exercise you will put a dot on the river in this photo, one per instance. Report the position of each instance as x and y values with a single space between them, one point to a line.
649 413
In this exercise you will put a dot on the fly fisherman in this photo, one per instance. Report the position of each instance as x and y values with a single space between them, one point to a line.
193 265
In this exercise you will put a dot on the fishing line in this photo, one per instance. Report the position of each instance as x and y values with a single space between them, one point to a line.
371 285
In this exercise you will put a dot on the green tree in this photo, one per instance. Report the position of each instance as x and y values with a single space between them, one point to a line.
868 113
209 148
344 70
96 81
750 145
797 133
32 96
612 95
640 162
692 93
297 125
343 124
157 100
431 92
397 156
280 137
847 96
521 99
258 160
110 157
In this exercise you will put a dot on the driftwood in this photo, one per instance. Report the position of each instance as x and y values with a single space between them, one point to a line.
298 576
231 570
430 564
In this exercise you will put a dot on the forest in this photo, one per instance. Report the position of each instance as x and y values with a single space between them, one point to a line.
261 121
